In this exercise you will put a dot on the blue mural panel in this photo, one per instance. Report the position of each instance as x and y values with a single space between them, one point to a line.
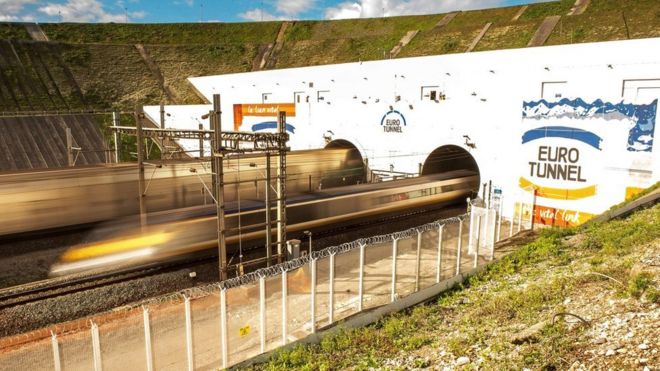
640 137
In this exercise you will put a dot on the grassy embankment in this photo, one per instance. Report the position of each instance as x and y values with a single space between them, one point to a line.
577 297
106 70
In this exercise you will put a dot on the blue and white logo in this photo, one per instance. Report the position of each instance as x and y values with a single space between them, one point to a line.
393 122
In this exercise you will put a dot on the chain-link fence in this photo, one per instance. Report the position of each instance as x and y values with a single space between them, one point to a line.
223 324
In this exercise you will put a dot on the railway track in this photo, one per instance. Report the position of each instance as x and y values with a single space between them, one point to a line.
61 286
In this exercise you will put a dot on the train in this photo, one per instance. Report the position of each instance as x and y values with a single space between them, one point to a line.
66 198
177 234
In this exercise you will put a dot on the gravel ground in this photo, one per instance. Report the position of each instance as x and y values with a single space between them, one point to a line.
56 310
29 260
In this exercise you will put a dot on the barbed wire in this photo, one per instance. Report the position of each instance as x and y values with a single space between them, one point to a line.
334 250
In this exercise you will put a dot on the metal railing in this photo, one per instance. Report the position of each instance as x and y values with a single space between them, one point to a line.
223 324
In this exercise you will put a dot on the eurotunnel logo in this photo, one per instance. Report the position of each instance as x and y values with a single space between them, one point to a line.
554 161
393 122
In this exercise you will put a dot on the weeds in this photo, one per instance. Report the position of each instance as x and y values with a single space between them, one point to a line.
638 284
473 317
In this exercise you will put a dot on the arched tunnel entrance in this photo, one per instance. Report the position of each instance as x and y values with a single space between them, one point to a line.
353 170
450 158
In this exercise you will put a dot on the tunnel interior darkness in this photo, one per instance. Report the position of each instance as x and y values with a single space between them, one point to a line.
355 172
449 158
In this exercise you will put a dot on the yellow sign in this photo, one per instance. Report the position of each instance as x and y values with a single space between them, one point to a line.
244 331
632 192
558 193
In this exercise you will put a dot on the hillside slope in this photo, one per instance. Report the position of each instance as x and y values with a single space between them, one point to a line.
587 298
98 65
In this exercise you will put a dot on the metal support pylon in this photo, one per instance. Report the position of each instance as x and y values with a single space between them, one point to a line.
234 142
219 189
281 186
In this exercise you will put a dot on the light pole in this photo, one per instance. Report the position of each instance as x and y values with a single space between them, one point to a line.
309 234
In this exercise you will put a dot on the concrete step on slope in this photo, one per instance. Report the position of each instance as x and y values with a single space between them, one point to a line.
579 7
519 13
544 30
405 40
35 31
479 37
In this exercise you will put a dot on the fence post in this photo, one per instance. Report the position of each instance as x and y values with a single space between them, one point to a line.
262 313
223 326
284 307
419 259
513 214
471 210
476 249
531 217
56 351
459 247
395 247
499 221
147 339
486 225
189 338
438 265
331 290
96 348
312 262
493 237
361 278
520 212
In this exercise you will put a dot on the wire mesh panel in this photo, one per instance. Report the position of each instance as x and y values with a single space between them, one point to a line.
322 291
347 271
29 357
243 321
466 259
273 312
377 274
206 331
482 236
168 336
428 258
449 250
492 233
76 351
406 264
476 222
299 303
122 343
505 224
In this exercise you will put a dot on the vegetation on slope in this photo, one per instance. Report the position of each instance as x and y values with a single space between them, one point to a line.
157 34
607 20
13 31
572 298
97 65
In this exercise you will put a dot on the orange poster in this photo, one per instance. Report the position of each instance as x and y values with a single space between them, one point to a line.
261 110
559 217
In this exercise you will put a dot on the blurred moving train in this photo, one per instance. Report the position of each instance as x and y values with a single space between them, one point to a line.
56 198
193 230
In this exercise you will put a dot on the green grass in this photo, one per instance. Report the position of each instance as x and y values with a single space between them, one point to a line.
177 63
393 27
476 317
110 73
541 10
173 33
606 20
13 31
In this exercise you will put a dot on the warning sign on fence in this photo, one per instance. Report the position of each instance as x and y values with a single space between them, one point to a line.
244 331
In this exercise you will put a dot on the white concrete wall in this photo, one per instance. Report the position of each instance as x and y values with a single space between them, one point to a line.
484 93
